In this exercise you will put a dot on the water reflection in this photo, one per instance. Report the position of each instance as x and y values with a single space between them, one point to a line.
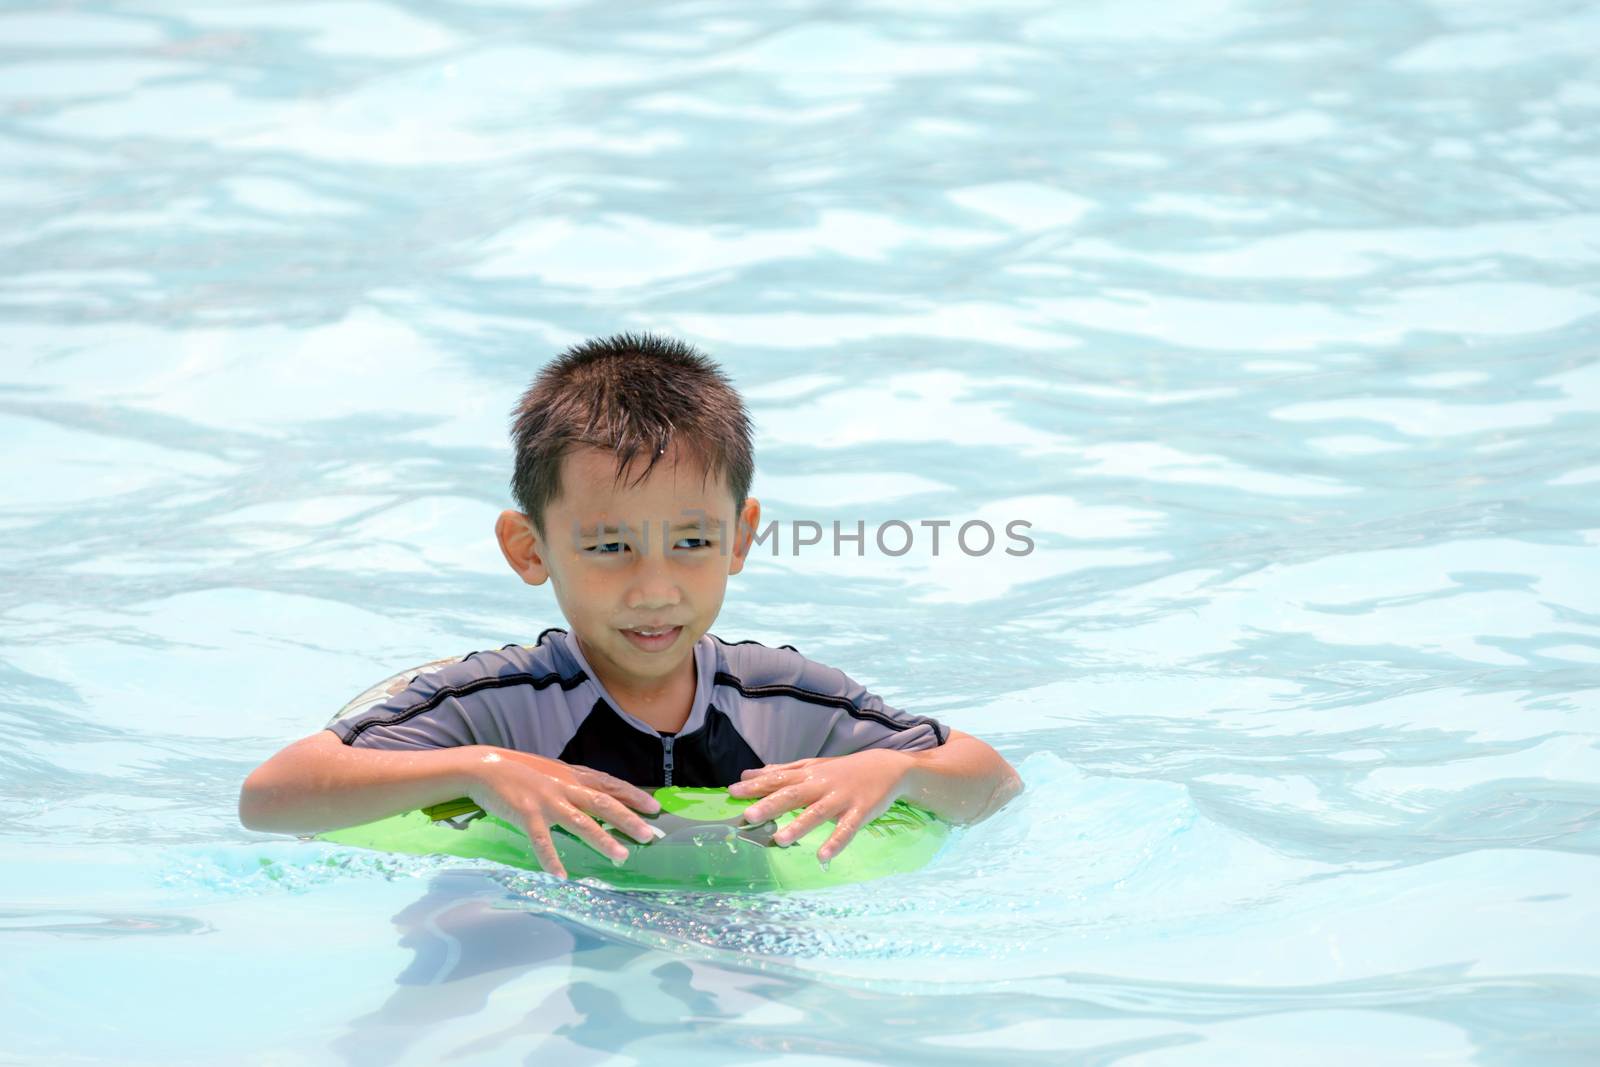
79 925
591 995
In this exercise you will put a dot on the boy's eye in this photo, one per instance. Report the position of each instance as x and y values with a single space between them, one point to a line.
617 548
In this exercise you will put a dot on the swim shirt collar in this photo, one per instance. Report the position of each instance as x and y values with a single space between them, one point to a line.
705 660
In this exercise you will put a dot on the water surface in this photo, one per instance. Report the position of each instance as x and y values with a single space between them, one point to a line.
1278 322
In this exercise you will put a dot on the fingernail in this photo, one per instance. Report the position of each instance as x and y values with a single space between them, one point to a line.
658 831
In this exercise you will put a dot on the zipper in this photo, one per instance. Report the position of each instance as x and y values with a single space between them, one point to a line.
666 758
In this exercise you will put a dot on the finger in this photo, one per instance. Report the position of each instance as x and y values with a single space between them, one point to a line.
544 849
762 783
786 799
627 792
607 807
752 787
807 820
843 831
791 765
590 832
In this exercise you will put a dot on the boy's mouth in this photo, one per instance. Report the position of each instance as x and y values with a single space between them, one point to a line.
654 639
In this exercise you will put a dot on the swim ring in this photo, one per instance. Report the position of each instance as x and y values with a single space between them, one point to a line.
706 844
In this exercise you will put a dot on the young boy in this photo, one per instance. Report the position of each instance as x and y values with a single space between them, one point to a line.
633 469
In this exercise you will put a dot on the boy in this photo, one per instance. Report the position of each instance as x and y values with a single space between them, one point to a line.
633 469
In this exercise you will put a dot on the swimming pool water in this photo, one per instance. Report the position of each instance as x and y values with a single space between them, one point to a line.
1278 322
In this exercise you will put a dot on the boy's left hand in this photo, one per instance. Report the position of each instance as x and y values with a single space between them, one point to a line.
851 790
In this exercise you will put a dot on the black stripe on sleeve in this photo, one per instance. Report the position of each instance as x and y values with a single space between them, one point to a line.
537 681
828 700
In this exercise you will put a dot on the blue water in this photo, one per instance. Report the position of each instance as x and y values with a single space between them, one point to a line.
1281 324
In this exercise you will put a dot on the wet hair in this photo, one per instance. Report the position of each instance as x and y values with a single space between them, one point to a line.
632 395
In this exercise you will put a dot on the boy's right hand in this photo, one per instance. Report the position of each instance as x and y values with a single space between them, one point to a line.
538 793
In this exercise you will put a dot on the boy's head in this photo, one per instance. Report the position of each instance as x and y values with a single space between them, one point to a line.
615 437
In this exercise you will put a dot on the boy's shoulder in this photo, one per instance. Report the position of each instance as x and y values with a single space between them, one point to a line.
758 670
538 665
754 655
783 683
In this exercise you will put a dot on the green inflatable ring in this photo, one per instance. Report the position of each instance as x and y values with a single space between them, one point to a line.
705 845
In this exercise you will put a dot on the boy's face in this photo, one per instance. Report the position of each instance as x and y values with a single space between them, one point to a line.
612 585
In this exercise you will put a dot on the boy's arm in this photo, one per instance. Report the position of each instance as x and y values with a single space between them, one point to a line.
319 783
963 780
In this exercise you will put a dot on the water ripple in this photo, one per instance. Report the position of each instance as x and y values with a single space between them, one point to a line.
1278 324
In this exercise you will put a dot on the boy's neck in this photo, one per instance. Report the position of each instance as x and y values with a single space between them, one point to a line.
664 706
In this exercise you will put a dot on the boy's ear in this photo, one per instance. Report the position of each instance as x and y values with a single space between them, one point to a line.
748 521
521 545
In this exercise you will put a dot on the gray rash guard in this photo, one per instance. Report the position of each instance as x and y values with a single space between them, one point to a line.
753 705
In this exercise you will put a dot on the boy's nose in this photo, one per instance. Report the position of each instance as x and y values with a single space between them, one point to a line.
652 587
652 597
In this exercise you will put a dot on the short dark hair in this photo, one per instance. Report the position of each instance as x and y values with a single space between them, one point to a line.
630 394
